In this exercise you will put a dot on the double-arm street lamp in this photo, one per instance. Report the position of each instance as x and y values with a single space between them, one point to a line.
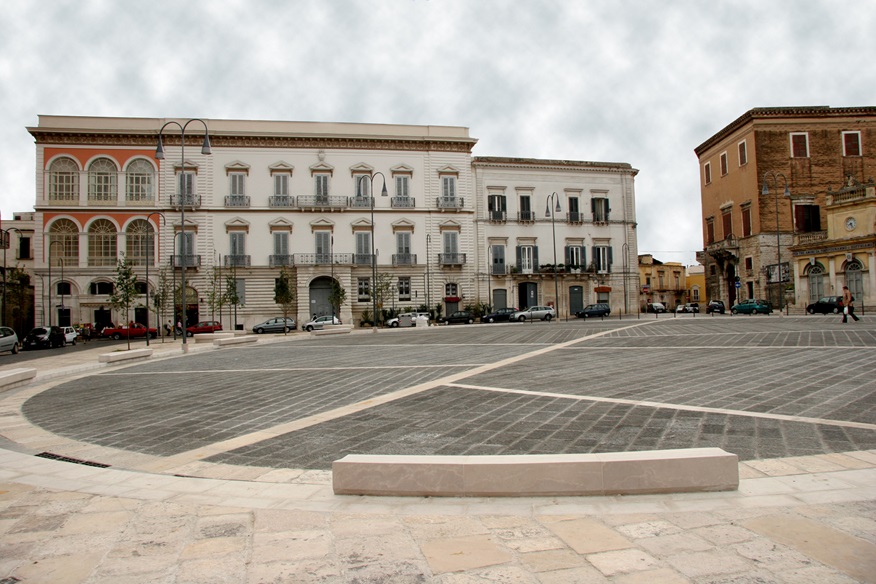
774 178
552 212
149 245
383 193
184 195
4 240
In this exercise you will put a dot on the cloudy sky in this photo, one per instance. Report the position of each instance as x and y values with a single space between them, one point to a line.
635 81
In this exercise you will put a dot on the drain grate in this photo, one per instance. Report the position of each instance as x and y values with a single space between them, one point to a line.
51 456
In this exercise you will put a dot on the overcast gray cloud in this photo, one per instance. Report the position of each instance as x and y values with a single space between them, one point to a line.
611 80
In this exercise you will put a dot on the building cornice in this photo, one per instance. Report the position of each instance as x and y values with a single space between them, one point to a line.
545 164
785 113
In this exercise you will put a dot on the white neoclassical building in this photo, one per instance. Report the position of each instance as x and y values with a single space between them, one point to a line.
449 230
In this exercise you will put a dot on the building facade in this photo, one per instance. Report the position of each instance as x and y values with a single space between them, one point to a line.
307 199
765 179
16 243
663 282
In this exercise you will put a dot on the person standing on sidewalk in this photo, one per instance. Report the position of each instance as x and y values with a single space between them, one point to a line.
848 305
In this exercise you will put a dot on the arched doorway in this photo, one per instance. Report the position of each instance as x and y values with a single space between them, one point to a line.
816 277
320 290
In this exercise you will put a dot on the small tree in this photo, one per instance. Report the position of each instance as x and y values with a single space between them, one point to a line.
337 297
19 296
124 291
232 298
161 298
215 295
384 285
284 295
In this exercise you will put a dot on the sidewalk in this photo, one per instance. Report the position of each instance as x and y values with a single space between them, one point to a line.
802 519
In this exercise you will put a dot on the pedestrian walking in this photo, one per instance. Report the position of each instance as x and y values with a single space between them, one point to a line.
848 305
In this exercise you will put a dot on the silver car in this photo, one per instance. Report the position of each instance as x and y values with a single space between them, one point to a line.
320 321
9 340
275 325
534 313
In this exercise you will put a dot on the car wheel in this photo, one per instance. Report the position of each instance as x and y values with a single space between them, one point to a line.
63 343
309 329
117 337
548 317
190 334
470 321
15 348
835 311
259 331
521 319
74 342
491 320
394 325
734 311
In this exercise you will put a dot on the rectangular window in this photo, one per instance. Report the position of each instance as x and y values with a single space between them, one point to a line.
497 206
743 153
727 223
186 244
707 173
799 145
238 243
404 288
710 231
526 213
807 218
497 256
281 185
403 243
281 243
600 209
363 186
402 186
186 184
695 294
749 263
851 143
448 186
576 257
323 246
321 185
363 248
746 221
363 288
238 183
24 249
527 259
602 258
575 210
725 167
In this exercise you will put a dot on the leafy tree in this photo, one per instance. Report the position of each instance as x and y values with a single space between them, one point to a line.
284 294
232 298
161 297
124 290
382 290
337 297
216 297
19 296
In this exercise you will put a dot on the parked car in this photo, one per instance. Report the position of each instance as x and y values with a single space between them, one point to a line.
70 334
752 306
275 325
534 313
826 305
500 315
591 310
715 306
407 319
206 326
319 322
9 340
656 307
462 316
688 307
44 337
134 331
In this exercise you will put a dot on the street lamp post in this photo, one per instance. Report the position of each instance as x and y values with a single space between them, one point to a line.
148 249
50 276
184 195
4 234
766 191
626 251
428 283
383 193
552 212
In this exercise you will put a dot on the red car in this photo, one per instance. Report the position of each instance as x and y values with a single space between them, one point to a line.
207 326
134 331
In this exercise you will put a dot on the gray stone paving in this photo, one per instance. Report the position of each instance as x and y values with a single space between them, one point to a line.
603 386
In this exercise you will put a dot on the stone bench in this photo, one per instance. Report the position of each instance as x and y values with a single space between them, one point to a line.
538 475
119 356
210 337
235 340
332 329
14 377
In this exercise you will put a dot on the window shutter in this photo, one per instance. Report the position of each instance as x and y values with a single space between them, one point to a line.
535 263
568 254
519 258
583 257
610 258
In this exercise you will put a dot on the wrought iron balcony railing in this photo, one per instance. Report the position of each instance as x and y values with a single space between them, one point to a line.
498 269
237 200
322 259
191 261
404 259
450 202
281 201
574 217
361 202
362 259
322 202
404 202
189 200
237 261
451 259
498 216
526 216
278 260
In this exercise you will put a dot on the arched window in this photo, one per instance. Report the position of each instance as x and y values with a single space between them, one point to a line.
816 282
102 180
139 236
138 182
63 181
65 233
855 279
102 243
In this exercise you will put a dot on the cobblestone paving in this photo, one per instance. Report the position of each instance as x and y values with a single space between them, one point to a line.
759 387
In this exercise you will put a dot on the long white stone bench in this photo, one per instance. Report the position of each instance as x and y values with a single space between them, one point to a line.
14 377
119 356
332 329
537 475
210 337
236 340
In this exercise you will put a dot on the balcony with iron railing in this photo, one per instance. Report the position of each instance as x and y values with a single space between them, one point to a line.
574 217
191 261
281 201
191 201
322 202
278 260
237 261
498 270
362 259
526 216
404 259
450 202
451 259
497 216
323 259
404 202
361 202
237 200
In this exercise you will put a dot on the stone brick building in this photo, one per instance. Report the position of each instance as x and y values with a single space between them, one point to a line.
764 181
